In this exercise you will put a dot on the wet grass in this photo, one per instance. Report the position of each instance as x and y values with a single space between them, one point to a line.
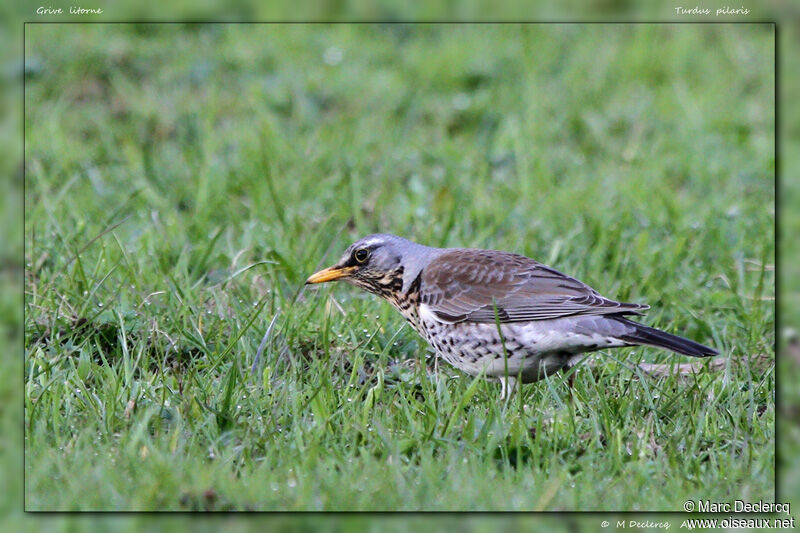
183 181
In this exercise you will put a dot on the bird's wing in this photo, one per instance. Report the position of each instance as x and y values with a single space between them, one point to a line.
466 285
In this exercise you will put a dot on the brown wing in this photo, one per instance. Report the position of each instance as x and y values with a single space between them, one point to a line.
465 285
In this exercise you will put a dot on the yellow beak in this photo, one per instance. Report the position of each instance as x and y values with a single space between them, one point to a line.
330 274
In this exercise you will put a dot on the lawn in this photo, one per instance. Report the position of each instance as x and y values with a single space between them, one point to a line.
182 181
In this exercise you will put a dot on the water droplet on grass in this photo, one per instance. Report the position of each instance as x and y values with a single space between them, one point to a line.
332 56
461 101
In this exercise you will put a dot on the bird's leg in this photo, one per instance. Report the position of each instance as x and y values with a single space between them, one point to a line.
570 367
508 384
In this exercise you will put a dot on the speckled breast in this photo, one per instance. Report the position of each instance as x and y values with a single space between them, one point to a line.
477 347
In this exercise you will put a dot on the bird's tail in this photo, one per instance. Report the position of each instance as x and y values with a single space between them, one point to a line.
641 334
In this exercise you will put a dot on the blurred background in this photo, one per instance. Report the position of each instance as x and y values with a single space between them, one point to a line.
138 122
277 136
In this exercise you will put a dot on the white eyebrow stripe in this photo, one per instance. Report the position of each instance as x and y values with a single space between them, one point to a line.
370 242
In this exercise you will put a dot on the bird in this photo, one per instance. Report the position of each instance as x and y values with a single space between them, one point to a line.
496 313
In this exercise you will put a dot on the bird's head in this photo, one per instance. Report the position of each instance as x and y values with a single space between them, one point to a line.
378 263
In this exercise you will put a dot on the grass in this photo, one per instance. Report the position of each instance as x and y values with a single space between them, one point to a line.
788 461
183 181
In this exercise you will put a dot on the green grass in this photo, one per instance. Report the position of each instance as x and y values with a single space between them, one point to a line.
183 181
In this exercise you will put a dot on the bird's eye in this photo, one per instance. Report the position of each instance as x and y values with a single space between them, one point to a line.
361 255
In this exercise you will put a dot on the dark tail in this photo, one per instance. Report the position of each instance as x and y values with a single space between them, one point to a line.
655 337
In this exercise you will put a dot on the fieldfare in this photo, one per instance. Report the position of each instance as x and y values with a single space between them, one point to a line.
499 313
